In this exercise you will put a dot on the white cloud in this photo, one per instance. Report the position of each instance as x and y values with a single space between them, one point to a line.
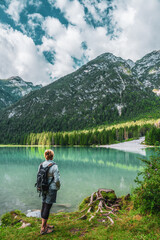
36 17
19 56
136 27
15 8
34 20
136 30
73 11
53 27
61 4
90 5
35 3
125 17
65 42
139 22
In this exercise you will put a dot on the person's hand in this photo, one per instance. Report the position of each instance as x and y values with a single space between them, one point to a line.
58 185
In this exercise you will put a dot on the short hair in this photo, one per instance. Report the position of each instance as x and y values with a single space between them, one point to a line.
49 154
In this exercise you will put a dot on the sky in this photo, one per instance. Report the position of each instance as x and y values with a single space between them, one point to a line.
43 40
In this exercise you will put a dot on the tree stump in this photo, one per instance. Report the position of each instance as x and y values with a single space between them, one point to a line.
103 201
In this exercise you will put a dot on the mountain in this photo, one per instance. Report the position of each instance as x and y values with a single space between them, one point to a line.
147 70
14 88
107 89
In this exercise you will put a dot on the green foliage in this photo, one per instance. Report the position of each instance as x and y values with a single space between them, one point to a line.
85 138
83 203
152 136
147 193
11 218
109 196
7 219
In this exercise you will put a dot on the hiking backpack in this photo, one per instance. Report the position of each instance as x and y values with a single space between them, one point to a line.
42 179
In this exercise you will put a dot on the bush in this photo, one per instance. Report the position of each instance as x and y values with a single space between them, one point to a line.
157 143
147 193
11 218
7 219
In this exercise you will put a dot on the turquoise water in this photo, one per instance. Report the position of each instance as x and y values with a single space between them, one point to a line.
83 171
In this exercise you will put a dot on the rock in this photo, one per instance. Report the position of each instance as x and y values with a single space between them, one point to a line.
34 213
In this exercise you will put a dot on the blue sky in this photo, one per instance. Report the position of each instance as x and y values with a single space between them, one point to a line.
41 41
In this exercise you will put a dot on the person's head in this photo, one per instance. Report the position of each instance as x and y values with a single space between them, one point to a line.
48 154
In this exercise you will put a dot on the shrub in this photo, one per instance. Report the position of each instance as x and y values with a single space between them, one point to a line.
147 192
157 143
11 218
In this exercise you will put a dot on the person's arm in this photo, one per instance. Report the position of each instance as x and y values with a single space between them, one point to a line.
57 177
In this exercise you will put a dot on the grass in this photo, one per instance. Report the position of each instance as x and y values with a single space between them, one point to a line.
129 225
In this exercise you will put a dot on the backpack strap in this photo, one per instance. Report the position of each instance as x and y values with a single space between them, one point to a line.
50 165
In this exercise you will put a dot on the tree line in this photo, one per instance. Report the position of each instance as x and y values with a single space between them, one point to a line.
84 138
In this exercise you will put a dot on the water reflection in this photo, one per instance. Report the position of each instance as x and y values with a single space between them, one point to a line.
83 170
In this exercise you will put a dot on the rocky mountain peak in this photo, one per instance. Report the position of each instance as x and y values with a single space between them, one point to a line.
13 88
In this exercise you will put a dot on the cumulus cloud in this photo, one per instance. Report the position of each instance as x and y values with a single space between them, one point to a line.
19 56
34 20
53 27
132 36
15 8
73 11
136 28
96 9
65 42
129 29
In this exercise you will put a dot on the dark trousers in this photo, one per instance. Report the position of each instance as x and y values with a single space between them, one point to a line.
45 210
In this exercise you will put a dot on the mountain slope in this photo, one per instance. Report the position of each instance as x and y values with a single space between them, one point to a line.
147 70
14 88
107 89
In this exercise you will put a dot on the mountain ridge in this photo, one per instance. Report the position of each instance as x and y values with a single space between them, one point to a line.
106 89
14 88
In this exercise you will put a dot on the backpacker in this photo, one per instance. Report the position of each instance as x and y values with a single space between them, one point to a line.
42 179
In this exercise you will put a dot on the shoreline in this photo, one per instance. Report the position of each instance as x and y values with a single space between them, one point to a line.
134 146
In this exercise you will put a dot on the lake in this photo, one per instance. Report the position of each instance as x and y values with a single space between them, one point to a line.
83 170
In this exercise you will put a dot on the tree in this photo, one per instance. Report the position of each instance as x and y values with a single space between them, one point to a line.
147 192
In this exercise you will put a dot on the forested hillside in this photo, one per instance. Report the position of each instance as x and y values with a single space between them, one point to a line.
108 89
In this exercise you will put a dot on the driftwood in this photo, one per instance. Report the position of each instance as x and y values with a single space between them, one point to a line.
103 205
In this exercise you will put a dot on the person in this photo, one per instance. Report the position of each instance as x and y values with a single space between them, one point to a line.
48 198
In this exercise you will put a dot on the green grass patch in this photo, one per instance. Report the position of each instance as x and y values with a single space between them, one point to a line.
130 224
